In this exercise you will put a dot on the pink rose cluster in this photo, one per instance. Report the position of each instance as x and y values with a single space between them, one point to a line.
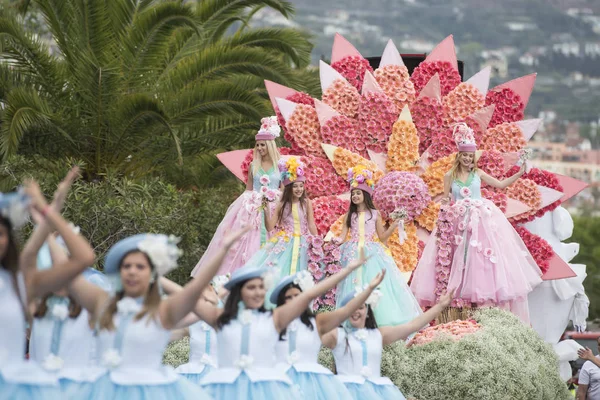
527 192
401 190
492 163
304 127
442 144
539 248
327 210
445 241
461 102
343 131
542 178
353 68
376 117
456 330
321 178
428 116
506 137
324 261
509 106
498 198
449 77
395 82
342 97
300 98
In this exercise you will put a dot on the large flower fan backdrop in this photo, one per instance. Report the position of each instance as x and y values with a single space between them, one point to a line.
400 127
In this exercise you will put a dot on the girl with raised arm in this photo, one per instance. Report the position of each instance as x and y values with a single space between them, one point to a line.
21 284
299 344
368 232
249 208
489 265
358 346
247 334
134 325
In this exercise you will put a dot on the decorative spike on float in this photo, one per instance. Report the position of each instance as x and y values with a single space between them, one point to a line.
370 84
324 112
522 86
444 51
276 90
483 116
515 207
558 269
342 48
481 80
405 115
391 55
286 107
571 186
233 160
379 159
343 159
432 89
549 196
510 159
328 75
529 127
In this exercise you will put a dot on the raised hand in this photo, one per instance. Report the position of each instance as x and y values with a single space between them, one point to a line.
585 354
60 195
37 200
446 298
232 238
376 281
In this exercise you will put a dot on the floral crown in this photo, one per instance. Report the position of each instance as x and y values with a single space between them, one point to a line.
360 177
162 251
269 129
292 170
464 137
305 280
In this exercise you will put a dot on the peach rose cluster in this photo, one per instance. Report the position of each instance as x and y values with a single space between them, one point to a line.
300 98
527 192
395 82
403 147
342 97
434 174
506 137
344 159
456 330
303 125
461 102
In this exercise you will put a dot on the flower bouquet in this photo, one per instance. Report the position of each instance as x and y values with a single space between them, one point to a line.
524 155
323 261
400 215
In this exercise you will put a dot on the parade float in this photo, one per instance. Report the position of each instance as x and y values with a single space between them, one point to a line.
399 125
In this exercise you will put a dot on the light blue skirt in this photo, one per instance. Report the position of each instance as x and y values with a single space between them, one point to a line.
390 392
363 392
196 378
319 386
181 389
73 390
278 253
24 391
244 389
397 305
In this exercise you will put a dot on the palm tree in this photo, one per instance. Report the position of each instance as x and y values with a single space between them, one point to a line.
137 85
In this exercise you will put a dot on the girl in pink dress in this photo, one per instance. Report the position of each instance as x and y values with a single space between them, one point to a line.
489 263
248 209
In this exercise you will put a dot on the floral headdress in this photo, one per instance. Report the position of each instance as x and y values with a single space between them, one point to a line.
360 177
269 129
292 170
464 137
13 206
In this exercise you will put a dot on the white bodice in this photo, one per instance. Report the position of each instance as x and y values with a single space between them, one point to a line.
12 320
76 340
247 344
140 352
300 348
203 344
360 357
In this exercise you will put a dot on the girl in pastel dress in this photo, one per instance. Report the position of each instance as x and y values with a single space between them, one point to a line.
247 335
248 210
292 221
489 263
358 346
134 325
62 339
21 283
367 231
299 344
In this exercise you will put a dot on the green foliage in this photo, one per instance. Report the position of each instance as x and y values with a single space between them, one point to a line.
139 87
113 208
586 233
177 353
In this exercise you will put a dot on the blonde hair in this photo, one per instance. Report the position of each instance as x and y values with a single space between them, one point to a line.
150 307
456 164
273 154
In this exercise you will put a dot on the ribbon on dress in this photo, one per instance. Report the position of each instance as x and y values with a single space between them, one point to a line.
361 244
296 239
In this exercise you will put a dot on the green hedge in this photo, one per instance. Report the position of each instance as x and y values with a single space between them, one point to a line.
113 208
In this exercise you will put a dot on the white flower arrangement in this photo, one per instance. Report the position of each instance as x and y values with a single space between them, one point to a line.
270 277
162 251
205 327
361 334
293 357
305 280
246 317
366 371
60 312
111 358
220 280
374 298
207 360
399 214
17 210
128 305
53 363
244 362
